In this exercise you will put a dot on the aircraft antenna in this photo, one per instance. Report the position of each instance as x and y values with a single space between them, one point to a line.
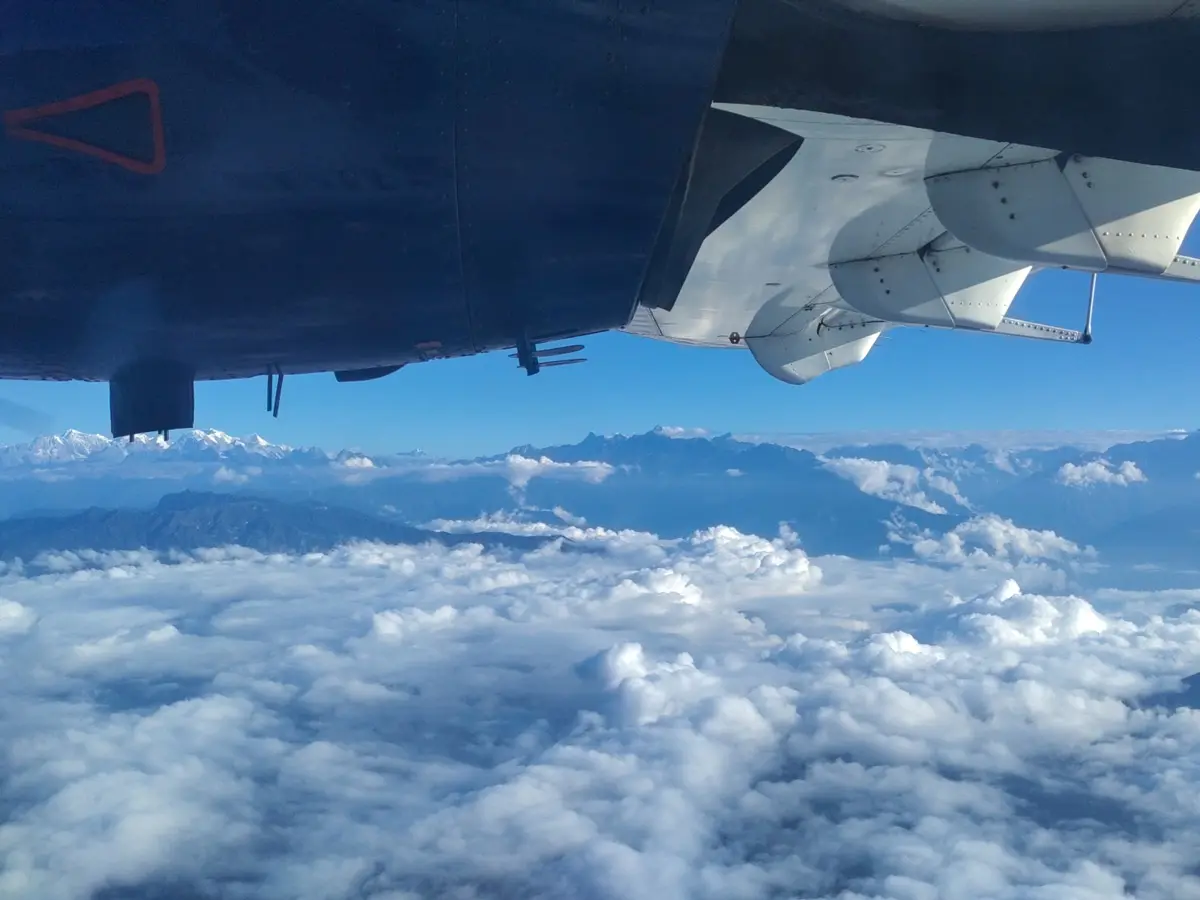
533 359
1087 328
278 390
527 356
274 388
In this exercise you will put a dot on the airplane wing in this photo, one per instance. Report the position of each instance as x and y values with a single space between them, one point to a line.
871 226
234 190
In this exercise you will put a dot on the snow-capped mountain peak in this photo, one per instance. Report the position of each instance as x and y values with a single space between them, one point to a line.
212 442
65 447
75 446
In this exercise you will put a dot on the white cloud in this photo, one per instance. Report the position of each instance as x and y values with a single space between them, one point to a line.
226 475
1002 460
1100 471
945 485
675 431
570 518
1007 617
15 618
986 538
714 717
891 481
522 524
519 470
356 461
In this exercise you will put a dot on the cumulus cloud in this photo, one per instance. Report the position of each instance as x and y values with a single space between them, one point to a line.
984 539
713 717
1100 471
895 481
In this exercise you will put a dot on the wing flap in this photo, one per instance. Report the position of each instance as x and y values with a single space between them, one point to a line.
954 287
1073 211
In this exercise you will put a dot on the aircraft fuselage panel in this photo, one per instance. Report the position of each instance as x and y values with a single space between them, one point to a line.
241 184
226 188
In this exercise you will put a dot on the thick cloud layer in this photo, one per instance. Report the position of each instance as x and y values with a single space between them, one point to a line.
718 717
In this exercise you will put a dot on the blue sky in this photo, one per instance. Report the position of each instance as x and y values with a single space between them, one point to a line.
1141 373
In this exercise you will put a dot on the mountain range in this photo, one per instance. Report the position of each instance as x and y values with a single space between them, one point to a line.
1136 502
190 521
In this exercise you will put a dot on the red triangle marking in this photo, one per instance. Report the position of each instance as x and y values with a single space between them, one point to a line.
15 125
